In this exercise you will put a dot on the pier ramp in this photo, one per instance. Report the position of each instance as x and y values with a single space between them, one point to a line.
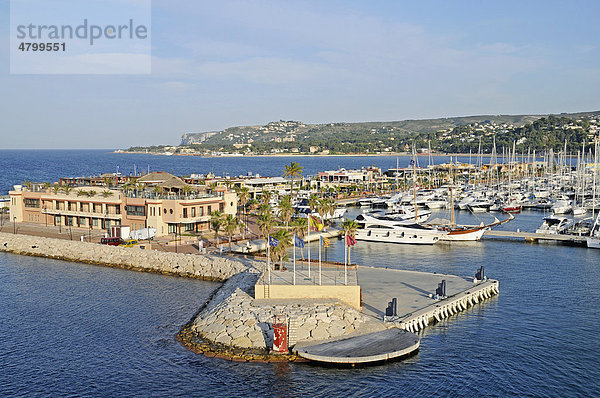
367 348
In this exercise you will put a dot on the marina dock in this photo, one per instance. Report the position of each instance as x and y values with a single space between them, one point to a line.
533 237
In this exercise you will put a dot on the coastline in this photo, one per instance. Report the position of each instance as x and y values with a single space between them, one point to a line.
286 155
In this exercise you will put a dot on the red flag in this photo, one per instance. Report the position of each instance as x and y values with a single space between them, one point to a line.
350 241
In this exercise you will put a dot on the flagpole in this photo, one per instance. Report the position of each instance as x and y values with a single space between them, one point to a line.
308 243
320 244
345 260
268 259
294 260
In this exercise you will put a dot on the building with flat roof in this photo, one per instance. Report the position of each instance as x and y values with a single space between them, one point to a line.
169 207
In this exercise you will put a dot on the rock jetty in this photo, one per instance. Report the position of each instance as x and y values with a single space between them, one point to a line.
234 318
207 267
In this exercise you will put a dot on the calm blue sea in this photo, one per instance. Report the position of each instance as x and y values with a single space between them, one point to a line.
78 330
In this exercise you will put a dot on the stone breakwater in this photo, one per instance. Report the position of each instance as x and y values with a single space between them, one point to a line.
207 267
234 318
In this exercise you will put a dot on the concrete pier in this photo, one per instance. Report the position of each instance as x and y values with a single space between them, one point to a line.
533 237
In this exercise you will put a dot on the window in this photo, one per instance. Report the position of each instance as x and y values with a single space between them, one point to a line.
172 228
95 222
221 207
56 205
209 210
170 211
32 203
193 212
201 211
185 212
188 227
135 210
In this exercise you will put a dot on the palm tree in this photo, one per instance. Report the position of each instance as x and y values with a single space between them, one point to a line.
91 193
81 192
66 189
264 209
230 224
216 222
187 189
243 194
107 193
313 201
266 196
349 227
293 170
286 210
279 252
265 223
328 207
56 189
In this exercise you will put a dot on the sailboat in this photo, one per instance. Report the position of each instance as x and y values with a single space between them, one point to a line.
464 233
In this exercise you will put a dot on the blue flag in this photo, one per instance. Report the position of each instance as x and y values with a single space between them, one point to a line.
273 242
412 162
298 242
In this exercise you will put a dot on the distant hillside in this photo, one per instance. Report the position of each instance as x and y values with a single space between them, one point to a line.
457 134
293 131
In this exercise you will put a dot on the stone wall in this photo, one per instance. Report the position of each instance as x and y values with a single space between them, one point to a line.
207 267
234 318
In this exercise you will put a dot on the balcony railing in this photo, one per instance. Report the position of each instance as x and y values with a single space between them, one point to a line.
81 214
169 196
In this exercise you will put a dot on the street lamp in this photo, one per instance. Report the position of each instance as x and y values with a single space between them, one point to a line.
14 225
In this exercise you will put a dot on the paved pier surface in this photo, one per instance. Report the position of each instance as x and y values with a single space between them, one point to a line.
411 288
373 347
329 275
531 236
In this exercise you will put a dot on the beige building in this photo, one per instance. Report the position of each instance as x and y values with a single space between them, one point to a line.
166 208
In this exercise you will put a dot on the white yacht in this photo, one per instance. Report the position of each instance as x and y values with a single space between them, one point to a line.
593 241
383 229
480 205
554 225
407 213
561 206
305 211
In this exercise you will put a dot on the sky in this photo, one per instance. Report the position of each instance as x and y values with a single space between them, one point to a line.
218 64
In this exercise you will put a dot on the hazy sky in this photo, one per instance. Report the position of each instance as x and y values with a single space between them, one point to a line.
223 63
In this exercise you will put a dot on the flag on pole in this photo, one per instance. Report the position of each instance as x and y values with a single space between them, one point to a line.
298 242
325 242
315 223
273 242
350 241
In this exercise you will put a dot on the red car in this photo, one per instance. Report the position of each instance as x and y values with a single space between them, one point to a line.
111 241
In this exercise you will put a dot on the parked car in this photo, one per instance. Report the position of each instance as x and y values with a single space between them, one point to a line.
111 241
129 243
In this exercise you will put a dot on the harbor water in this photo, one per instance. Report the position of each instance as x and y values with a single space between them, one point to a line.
80 330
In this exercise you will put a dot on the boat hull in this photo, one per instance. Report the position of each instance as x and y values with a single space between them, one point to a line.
593 243
401 237
467 235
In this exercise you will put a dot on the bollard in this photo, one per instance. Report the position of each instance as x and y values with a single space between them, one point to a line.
280 342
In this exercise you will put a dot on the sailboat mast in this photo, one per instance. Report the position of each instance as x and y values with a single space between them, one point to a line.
415 184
